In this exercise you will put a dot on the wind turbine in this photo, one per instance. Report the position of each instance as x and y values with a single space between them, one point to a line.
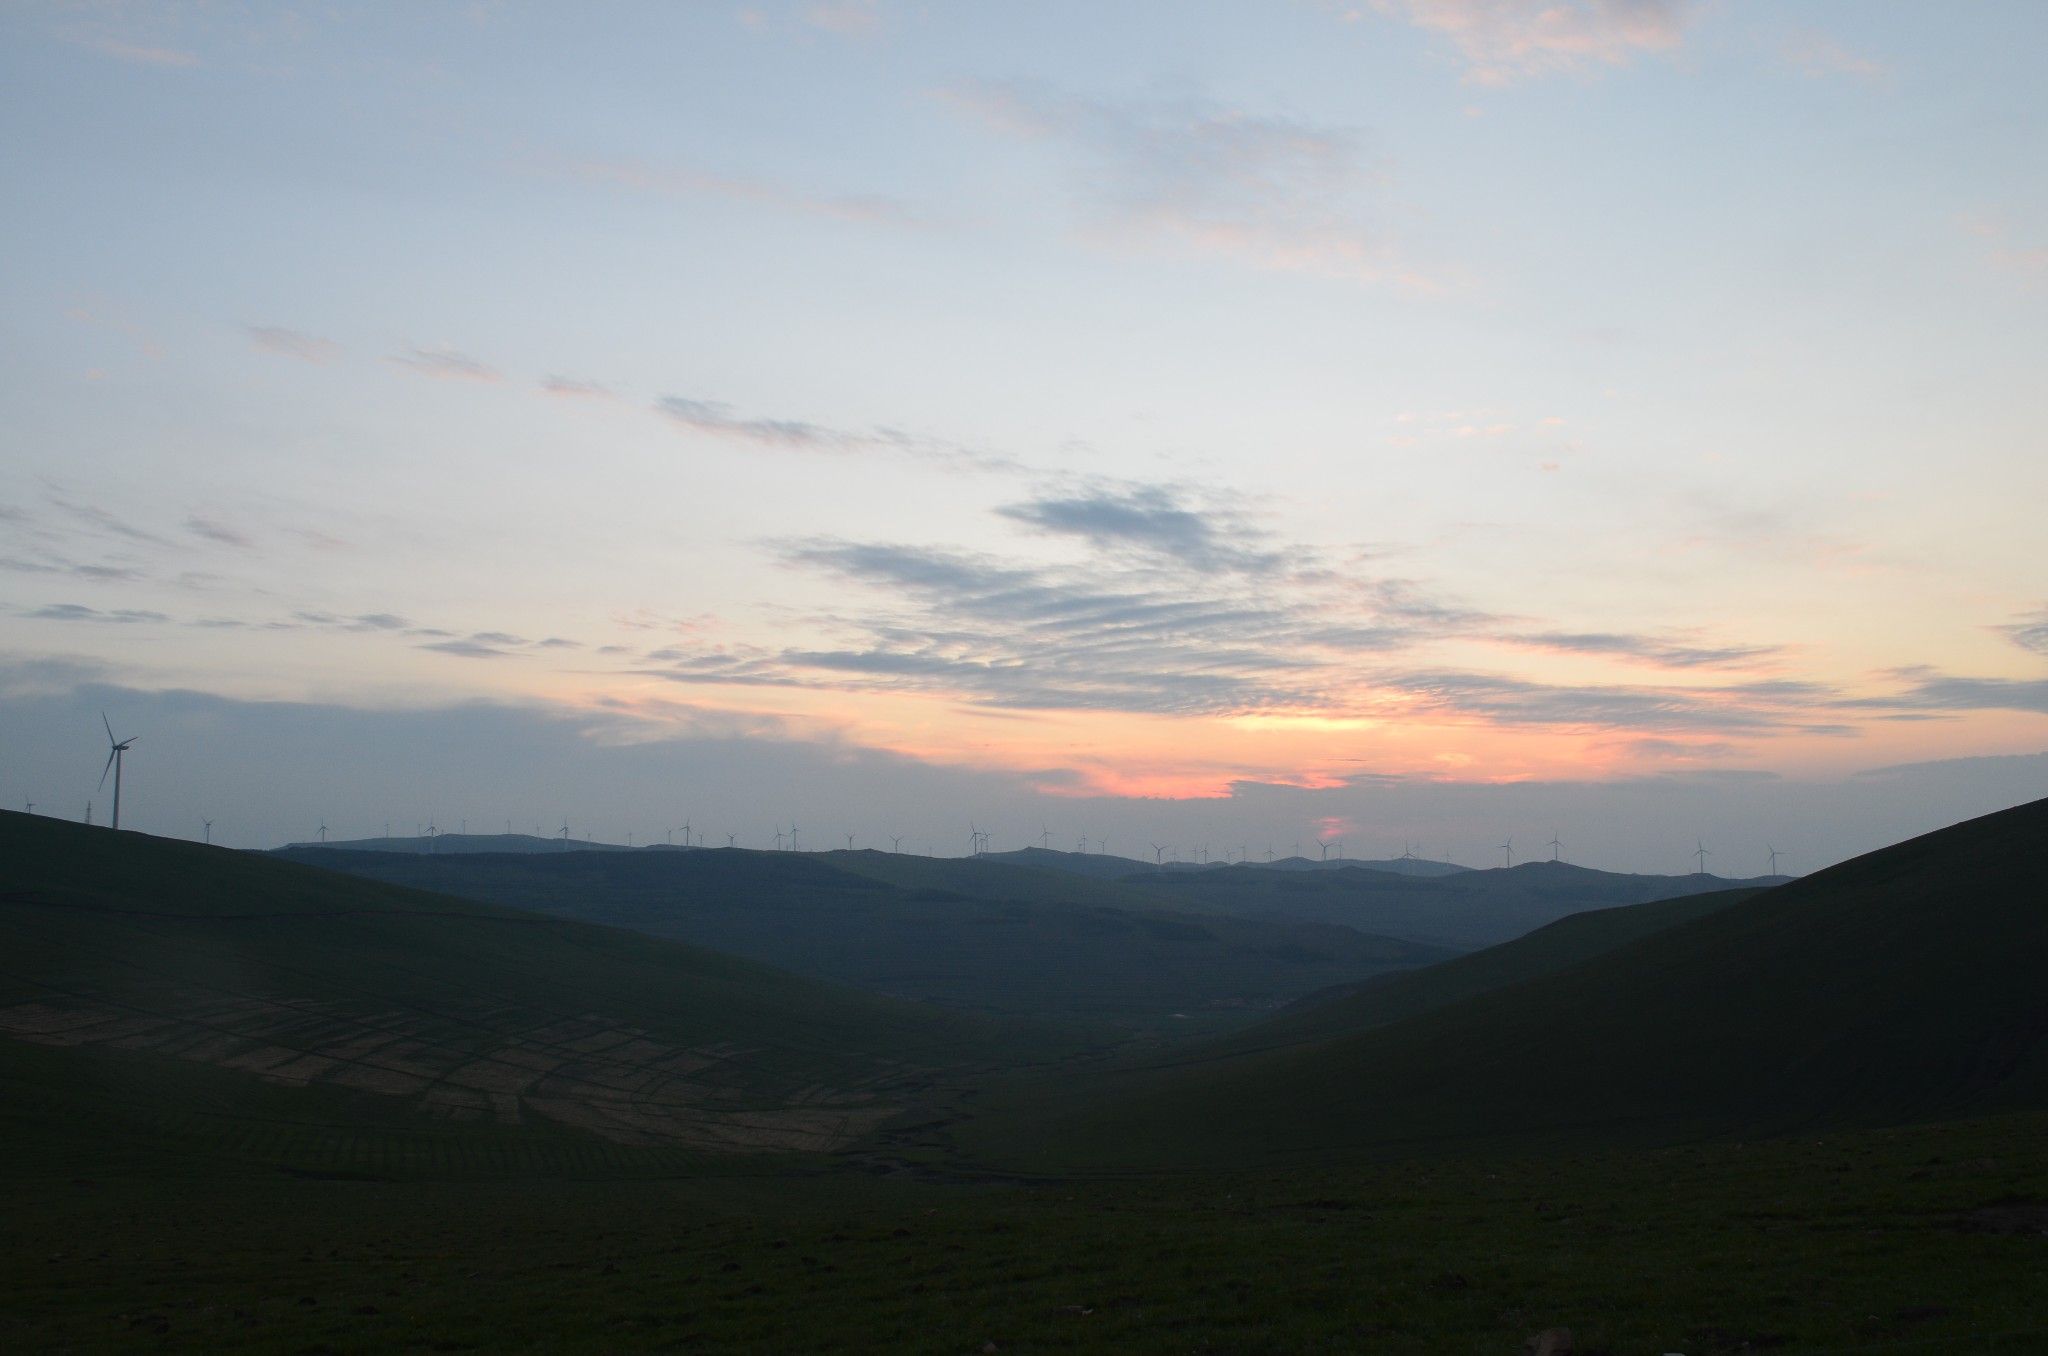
116 748
1774 858
1325 847
1082 849
209 830
732 840
778 840
30 807
1101 844
1702 853
1269 854
323 830
1508 848
1554 846
896 844
792 835
565 833
849 842
1158 855
686 833
1044 836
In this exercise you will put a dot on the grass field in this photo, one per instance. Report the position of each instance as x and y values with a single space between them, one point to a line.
1907 1241
180 1174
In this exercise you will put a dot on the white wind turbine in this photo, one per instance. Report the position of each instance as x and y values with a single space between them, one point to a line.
115 749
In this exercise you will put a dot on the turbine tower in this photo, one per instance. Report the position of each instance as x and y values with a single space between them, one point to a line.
115 749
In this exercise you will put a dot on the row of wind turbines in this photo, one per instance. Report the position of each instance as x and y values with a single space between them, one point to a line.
978 838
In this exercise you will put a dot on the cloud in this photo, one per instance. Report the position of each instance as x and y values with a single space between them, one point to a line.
1502 41
293 344
214 530
845 17
1997 233
1648 649
2030 632
707 416
1150 520
134 53
446 364
79 612
1197 178
1196 641
719 420
571 387
467 649
103 521
641 177
1816 53
1931 690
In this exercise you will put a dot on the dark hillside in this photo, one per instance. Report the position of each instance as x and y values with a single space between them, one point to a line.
1902 986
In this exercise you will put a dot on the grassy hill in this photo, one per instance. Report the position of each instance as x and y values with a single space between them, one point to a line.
1465 909
1387 999
964 932
245 1004
1902 986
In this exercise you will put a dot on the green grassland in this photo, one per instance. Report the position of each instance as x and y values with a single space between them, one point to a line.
248 1106
1909 1241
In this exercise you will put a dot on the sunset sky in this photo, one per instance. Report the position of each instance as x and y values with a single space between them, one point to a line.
1403 420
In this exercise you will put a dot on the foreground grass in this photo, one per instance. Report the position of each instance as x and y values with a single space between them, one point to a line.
1926 1239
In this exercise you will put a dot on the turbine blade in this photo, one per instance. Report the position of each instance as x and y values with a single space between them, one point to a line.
110 727
105 770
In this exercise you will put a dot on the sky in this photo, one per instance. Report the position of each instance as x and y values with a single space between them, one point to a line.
1409 422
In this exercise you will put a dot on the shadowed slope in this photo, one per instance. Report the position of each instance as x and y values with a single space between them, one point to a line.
965 932
1902 986
153 978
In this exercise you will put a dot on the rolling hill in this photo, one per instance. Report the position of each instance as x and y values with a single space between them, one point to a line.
226 998
1902 986
964 932
1466 909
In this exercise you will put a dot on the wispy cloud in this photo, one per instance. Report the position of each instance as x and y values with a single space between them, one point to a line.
98 39
1151 521
293 343
214 530
1502 41
720 420
2030 632
1815 53
2003 247
639 176
81 613
572 388
445 364
1197 178
1661 650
